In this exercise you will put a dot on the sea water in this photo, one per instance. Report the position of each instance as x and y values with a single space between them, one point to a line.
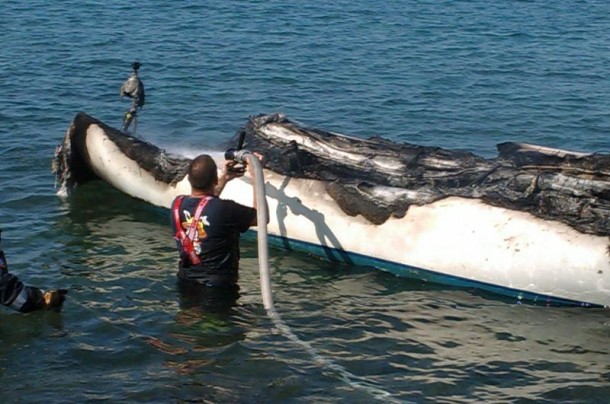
455 74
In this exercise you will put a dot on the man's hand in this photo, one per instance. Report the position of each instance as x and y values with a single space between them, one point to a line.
54 299
233 170
228 172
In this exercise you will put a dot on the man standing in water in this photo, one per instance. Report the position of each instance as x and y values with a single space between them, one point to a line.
17 296
207 228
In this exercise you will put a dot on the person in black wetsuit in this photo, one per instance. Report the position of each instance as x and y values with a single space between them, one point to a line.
17 296
207 228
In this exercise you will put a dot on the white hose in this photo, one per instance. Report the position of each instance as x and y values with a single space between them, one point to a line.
262 216
263 266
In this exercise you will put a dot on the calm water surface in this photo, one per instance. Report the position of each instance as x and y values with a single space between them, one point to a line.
455 74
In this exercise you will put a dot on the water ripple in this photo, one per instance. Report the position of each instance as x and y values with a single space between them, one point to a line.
464 75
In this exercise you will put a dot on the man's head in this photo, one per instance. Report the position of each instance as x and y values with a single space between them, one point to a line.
203 174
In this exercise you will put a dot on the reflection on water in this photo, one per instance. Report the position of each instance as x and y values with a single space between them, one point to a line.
128 335
128 331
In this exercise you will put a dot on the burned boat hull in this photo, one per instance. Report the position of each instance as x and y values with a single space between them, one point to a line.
437 221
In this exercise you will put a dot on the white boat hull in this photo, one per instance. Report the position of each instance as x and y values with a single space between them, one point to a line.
454 240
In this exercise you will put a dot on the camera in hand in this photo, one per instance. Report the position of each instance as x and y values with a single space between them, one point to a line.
237 168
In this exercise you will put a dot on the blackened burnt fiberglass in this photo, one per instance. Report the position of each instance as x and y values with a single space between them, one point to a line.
534 222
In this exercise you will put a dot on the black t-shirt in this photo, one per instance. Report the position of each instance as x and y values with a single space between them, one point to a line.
217 237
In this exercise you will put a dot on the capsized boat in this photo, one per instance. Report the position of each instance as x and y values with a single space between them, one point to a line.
532 224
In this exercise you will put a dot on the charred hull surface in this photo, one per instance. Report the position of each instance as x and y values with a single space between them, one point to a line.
531 223
378 179
93 150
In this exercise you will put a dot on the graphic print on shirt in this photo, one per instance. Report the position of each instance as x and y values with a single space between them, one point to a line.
201 234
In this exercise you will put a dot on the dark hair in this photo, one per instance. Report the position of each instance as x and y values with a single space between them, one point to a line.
202 172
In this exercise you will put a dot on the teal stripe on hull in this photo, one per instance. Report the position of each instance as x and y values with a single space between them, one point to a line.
405 271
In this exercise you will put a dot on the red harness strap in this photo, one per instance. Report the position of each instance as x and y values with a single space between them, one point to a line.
186 238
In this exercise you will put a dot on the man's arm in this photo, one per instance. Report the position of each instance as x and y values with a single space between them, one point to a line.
17 296
227 173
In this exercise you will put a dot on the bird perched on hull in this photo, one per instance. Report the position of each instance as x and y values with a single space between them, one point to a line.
134 89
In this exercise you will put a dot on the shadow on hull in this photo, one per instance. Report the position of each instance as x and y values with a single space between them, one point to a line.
539 218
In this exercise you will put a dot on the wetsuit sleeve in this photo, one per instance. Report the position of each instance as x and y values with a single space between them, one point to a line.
14 294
